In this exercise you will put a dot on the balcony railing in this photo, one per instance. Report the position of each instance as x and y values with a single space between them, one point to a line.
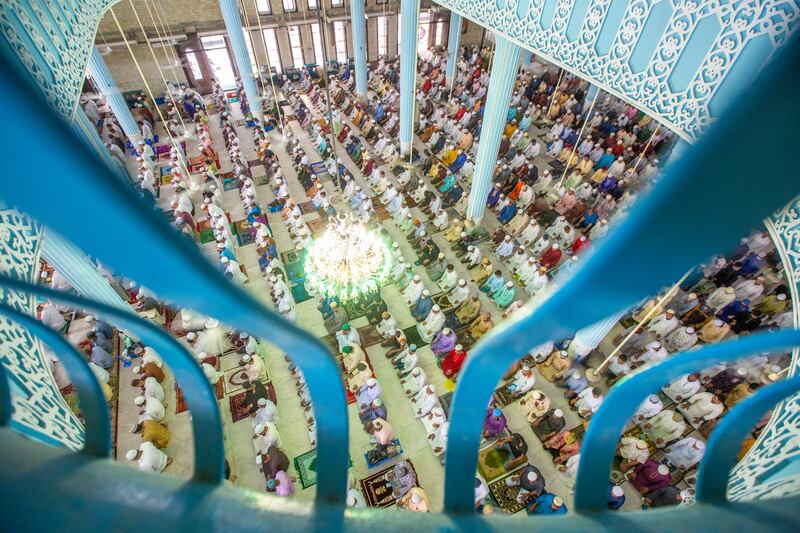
73 192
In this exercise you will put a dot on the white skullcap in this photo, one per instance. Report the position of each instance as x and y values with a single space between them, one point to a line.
559 413
244 335
436 308
131 455
260 428
617 491
139 400
211 323
532 476
262 402
663 470
426 292
371 382
137 369
417 278
247 358
415 498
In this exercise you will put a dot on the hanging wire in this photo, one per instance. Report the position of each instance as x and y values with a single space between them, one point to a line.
580 134
646 146
163 37
151 95
323 15
255 57
186 132
269 68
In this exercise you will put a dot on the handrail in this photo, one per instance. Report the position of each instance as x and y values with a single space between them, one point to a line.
209 457
726 441
106 219
636 258
97 435
606 426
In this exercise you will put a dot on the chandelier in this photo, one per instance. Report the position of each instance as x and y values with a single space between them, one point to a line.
347 261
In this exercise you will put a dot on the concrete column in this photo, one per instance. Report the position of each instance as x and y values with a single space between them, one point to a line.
79 271
525 58
409 24
590 93
453 46
359 46
501 84
116 102
589 338
233 23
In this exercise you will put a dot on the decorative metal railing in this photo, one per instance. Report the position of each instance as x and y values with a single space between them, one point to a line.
681 61
75 193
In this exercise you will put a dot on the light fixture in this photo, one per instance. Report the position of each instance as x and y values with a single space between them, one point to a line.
347 261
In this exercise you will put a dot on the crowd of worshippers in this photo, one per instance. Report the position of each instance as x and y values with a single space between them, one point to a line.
733 294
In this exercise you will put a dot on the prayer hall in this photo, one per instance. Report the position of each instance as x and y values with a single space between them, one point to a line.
360 264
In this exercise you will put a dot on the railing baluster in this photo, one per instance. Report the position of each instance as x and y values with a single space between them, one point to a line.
605 429
97 433
726 440
209 456
638 257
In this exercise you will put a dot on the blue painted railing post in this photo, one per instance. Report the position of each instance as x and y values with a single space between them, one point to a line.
504 72
233 23
453 45
105 83
358 23
409 22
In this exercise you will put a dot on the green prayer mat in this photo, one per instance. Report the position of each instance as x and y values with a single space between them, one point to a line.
306 467
413 337
206 236
442 301
491 462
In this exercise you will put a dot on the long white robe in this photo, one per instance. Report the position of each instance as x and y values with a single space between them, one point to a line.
530 233
700 406
432 325
648 408
448 280
661 326
387 327
412 292
684 454
458 295
152 459
681 389
434 420
505 249
424 402
412 383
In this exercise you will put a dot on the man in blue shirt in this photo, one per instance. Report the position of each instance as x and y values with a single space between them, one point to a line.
547 504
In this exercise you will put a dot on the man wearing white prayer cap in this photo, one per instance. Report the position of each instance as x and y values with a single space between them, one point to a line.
149 458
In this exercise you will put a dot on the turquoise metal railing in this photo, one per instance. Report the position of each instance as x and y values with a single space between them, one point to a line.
75 194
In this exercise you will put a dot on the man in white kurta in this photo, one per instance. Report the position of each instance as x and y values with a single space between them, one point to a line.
663 324
682 388
387 326
148 458
588 401
522 382
253 367
448 279
702 407
150 408
473 256
721 297
432 325
654 353
537 282
530 233
459 294
650 407
266 412
347 336
686 452
413 291
414 382
264 436
424 401
664 427
505 248
434 419
352 354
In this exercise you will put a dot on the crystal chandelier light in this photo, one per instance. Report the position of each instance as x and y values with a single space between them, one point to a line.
347 261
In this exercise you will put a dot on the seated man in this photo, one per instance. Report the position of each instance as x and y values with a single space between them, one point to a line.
516 447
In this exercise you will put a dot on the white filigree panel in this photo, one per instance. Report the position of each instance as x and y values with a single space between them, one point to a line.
52 39
686 111
779 443
39 407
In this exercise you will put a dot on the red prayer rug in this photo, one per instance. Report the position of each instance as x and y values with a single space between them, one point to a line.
237 403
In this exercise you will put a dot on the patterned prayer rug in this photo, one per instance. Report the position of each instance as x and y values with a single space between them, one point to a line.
306 467
505 496
317 226
375 458
180 402
307 208
491 461
413 337
238 411
369 336
246 238
376 488
355 308
260 180
442 301
381 212
235 378
504 398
